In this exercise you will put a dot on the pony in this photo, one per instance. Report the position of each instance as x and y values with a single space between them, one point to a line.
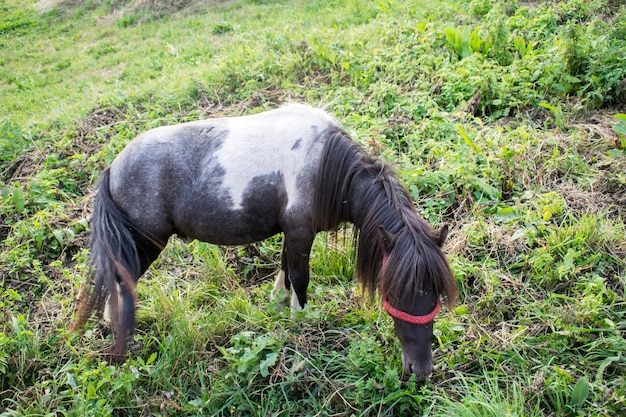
237 180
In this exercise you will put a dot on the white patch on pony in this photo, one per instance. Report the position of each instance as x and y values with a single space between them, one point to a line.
295 303
274 142
107 314
279 293
120 300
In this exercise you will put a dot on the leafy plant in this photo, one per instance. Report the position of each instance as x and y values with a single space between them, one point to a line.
251 353
465 42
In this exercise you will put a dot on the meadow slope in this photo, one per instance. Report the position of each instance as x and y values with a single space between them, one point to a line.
504 119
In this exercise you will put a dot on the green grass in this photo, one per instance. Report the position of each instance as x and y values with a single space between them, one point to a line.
504 119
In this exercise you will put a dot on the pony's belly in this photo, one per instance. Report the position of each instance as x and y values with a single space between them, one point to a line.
228 238
224 227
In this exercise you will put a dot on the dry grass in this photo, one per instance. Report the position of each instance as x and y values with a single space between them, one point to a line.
133 6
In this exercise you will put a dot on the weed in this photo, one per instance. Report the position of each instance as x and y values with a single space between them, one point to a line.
465 42
620 129
251 354
222 28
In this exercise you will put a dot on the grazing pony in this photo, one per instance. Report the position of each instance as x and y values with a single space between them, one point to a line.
233 181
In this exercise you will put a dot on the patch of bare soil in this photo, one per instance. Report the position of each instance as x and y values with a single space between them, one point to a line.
607 193
24 166
88 128
610 204
212 105
599 125
274 97
251 263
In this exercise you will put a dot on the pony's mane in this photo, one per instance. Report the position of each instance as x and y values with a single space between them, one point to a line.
357 187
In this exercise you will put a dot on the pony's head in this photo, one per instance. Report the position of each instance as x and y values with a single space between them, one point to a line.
398 253
415 276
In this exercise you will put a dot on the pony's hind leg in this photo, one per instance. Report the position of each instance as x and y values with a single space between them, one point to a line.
120 251
282 283
122 303
147 250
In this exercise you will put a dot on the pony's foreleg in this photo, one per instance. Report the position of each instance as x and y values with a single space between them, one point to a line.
298 261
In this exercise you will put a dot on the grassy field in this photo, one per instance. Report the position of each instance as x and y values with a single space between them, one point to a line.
505 120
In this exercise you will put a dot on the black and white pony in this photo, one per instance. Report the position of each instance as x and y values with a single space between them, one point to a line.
238 180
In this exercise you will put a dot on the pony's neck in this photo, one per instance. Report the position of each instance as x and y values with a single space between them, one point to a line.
374 197
355 187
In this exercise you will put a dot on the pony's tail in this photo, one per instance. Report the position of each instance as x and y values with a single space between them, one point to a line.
115 257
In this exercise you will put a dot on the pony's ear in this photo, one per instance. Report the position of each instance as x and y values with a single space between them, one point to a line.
441 234
386 239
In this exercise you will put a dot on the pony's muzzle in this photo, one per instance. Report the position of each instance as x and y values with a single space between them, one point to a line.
422 367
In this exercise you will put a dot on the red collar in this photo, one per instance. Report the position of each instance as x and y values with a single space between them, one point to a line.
409 318
401 315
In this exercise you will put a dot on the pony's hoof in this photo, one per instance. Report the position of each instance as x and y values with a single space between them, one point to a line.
113 357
